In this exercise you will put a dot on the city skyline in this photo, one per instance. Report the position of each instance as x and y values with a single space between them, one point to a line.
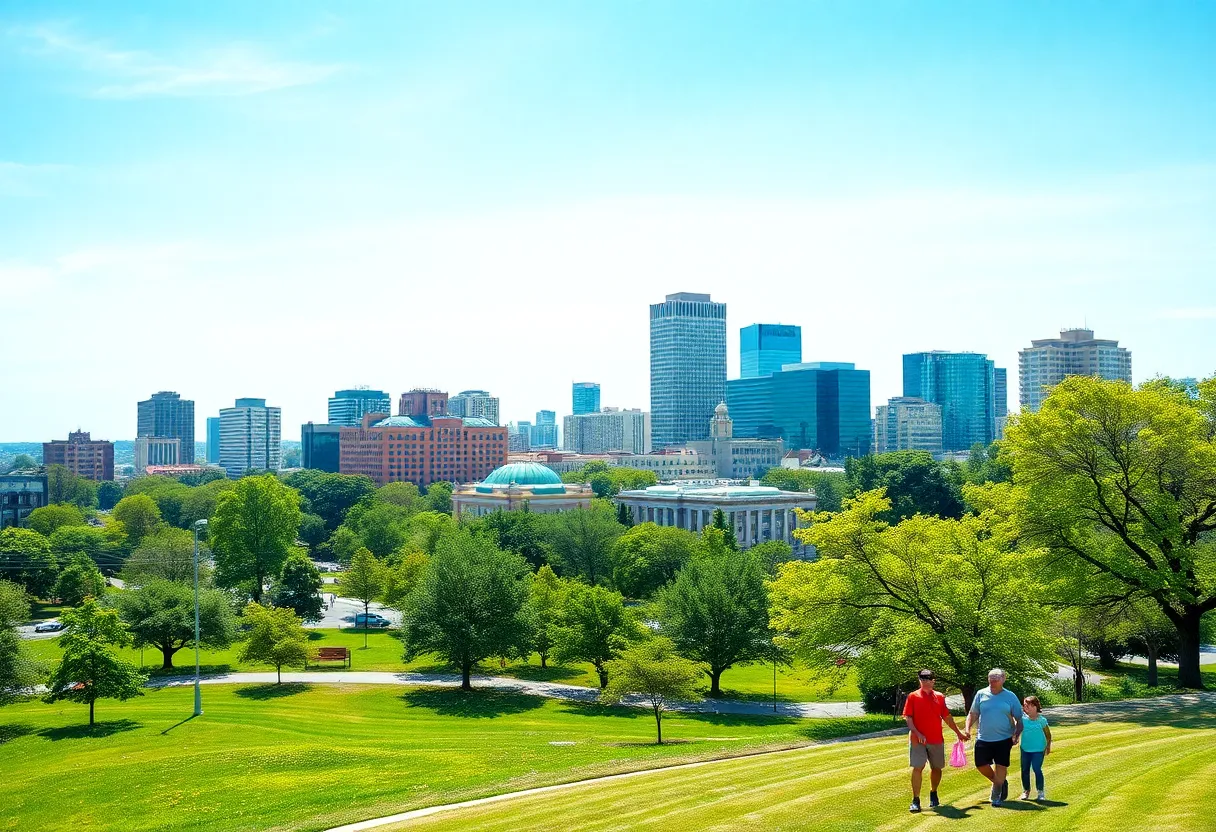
900 182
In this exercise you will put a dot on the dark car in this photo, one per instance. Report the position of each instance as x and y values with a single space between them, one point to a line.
371 619
49 627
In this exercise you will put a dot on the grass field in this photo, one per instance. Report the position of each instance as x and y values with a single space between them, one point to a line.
300 757
1136 768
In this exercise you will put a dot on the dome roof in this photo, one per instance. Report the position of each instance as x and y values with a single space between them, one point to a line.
523 473
720 410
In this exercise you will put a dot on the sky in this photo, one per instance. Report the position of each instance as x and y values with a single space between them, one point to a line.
283 199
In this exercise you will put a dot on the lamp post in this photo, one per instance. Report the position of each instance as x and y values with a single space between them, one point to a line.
198 693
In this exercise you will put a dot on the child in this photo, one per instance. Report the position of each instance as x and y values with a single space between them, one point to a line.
1036 744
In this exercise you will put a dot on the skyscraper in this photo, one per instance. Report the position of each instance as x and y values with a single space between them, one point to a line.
474 404
687 366
765 348
167 415
250 437
213 440
586 397
610 429
348 406
905 424
543 434
1076 352
964 384
319 446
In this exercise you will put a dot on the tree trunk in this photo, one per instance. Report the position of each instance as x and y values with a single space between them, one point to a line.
1078 681
1152 665
715 682
658 724
167 654
1106 659
543 657
599 667
1188 649
365 606
278 668
91 701
968 692
466 669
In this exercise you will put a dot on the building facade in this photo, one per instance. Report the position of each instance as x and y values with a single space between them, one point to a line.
319 446
687 366
157 450
213 440
1045 363
906 424
818 405
611 429
543 434
964 384
765 348
734 458
19 495
348 407
474 404
250 437
168 415
585 398
520 486
82 455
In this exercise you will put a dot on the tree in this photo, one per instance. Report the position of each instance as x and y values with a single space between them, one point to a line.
18 672
624 515
167 554
299 587
364 581
160 614
23 462
469 604
343 544
200 502
403 494
276 636
47 519
25 557
582 540
426 528
653 671
79 580
139 515
90 668
402 574
772 553
312 531
254 528
716 611
439 497
108 494
384 526
1120 484
104 545
958 596
65 487
169 495
519 532
331 496
546 597
647 556
830 487
595 627
720 523
915 484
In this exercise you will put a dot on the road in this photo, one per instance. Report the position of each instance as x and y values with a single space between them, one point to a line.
342 613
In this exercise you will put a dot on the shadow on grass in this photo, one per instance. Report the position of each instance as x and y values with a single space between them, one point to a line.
479 703
272 690
597 709
729 720
8 733
651 744
85 732
205 670
179 724
1186 711
535 673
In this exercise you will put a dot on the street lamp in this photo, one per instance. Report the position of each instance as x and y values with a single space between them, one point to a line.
198 693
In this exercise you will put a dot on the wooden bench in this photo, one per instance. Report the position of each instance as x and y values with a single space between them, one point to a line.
332 654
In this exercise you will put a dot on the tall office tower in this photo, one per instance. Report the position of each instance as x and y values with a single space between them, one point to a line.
611 429
519 437
1001 381
766 348
347 407
964 384
474 404
908 425
586 397
687 366
169 416
213 440
250 436
82 455
543 434
319 446
1076 352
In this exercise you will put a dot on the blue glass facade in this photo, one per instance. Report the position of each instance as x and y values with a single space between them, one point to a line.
964 384
687 367
347 407
585 398
213 440
319 446
765 348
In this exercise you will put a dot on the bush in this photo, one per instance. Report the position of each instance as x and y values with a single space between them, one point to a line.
879 699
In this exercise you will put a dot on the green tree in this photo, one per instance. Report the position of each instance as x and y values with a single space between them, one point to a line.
582 540
139 515
90 668
830 487
439 497
65 487
343 544
384 526
23 462
312 531
624 515
47 519
594 627
331 495
169 495
276 636
403 494
18 671
168 554
200 502
89 541
25 557
519 532
772 553
720 523
299 587
546 597
108 494
652 671
79 580
254 528
716 612
469 604
426 528
1120 485
160 614
364 581
402 575
915 483
647 556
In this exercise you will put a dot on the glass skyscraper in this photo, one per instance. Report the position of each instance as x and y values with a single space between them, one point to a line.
964 384
167 415
765 348
213 440
348 407
687 366
543 434
585 397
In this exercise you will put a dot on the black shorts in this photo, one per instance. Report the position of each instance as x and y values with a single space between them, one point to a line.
993 753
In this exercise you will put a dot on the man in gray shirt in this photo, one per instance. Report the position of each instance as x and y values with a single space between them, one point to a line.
999 714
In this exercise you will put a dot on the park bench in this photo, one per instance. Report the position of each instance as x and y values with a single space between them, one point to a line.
332 654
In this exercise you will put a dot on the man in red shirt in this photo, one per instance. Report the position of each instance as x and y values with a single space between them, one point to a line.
924 711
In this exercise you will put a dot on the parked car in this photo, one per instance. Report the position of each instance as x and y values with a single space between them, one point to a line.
51 626
371 619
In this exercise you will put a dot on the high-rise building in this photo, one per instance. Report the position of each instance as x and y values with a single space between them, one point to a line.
82 455
319 447
347 407
250 437
687 366
1046 362
905 424
611 429
765 348
474 404
964 384
213 440
168 415
816 405
519 436
586 397
156 450
543 434
1001 380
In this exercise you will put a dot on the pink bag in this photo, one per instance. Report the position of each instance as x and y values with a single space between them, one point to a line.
958 755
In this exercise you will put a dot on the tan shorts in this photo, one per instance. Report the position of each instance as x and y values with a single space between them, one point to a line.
934 755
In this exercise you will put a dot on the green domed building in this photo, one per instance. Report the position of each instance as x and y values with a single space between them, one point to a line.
515 485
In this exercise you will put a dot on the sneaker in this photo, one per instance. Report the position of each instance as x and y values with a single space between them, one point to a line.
1005 790
1024 796
915 807
1042 795
933 801
995 797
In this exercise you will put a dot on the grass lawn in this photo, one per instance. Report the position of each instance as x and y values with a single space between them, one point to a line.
1136 768
44 610
301 757
1126 681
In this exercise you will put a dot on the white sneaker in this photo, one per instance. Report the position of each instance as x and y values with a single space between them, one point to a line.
1042 795
1025 796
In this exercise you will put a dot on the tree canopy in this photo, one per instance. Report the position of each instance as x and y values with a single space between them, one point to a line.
47 519
18 671
652 671
254 528
167 553
139 515
299 587
276 636
594 627
26 559
160 614
914 483
90 668
648 556
582 539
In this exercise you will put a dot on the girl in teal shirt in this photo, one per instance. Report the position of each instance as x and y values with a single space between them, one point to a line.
1036 744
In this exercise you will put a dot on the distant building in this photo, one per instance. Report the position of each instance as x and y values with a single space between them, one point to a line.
213 440
347 407
1047 362
1190 385
819 405
765 348
168 415
543 434
82 455
687 366
964 384
585 397
1001 379
475 404
667 465
520 486
157 450
908 424
250 437
519 436
19 495
736 458
611 429
180 470
319 446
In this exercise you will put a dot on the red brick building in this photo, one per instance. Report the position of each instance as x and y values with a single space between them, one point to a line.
422 444
81 455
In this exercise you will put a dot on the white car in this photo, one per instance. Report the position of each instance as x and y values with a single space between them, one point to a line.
51 626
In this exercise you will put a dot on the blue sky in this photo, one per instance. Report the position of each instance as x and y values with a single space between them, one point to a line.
282 199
